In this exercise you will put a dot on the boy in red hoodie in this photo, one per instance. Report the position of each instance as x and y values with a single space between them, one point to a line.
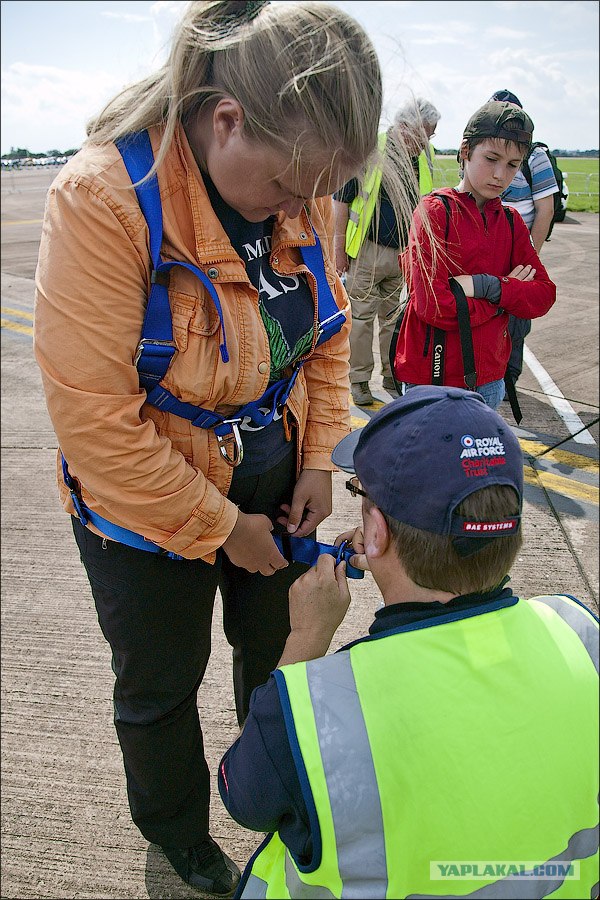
467 242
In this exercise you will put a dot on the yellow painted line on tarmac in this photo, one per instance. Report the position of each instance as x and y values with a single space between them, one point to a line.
567 487
564 457
23 222
14 326
557 484
21 313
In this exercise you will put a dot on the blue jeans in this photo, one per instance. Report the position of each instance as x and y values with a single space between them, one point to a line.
492 392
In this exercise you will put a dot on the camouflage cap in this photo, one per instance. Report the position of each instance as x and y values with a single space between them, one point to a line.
500 119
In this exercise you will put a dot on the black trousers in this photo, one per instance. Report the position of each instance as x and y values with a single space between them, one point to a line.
156 614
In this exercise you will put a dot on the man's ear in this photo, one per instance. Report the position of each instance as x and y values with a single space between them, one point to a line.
464 150
376 532
228 120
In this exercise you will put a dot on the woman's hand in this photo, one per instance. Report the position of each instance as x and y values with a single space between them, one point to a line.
251 546
311 503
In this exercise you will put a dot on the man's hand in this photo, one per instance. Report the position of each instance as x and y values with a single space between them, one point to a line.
311 503
356 539
251 546
319 600
342 263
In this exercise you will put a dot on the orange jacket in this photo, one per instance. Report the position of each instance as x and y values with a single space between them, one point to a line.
139 467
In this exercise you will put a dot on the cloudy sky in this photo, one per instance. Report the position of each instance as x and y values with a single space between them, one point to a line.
62 60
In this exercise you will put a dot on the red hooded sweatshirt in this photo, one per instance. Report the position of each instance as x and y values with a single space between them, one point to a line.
477 243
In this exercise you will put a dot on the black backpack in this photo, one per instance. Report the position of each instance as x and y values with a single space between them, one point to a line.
559 196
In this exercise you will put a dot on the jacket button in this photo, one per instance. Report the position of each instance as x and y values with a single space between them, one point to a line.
212 273
302 235
263 367
275 260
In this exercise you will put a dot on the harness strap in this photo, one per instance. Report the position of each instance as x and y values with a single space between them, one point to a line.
157 347
115 532
305 550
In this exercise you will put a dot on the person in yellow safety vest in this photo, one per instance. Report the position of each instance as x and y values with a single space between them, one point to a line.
371 230
453 751
426 164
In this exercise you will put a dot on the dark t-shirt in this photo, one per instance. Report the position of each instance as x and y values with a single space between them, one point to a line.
383 230
287 310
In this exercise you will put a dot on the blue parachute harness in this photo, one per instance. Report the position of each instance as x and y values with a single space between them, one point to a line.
156 349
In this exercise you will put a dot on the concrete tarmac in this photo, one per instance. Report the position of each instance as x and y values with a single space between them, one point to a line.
66 829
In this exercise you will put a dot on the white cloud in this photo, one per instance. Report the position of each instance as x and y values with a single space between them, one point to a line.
51 101
497 32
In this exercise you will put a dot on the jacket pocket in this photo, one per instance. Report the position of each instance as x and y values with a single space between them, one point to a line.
192 315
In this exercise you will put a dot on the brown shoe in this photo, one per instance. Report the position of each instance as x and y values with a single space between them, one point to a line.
361 394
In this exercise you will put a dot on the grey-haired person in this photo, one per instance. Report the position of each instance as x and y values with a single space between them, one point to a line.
453 750
181 451
369 237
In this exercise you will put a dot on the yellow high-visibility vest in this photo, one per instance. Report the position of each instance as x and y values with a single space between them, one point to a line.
363 206
481 769
426 158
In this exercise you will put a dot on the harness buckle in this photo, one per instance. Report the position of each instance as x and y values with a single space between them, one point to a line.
147 342
230 444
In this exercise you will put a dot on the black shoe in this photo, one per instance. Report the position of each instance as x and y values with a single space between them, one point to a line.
205 866
389 385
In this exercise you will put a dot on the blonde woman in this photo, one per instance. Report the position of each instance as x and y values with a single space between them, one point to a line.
176 470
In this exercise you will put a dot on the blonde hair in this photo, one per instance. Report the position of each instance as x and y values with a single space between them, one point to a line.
302 72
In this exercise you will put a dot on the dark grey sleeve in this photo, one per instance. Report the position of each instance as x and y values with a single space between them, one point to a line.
487 287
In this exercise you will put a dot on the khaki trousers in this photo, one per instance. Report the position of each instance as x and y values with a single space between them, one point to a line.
374 283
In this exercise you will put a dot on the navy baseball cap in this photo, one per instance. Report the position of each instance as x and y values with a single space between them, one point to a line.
421 455
507 97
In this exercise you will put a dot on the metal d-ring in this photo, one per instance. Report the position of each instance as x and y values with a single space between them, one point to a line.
230 444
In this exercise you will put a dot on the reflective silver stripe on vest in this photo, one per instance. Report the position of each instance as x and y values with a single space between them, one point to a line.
581 845
351 781
300 889
255 888
575 617
353 216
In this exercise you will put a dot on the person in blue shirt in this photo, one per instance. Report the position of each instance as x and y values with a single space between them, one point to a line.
535 203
